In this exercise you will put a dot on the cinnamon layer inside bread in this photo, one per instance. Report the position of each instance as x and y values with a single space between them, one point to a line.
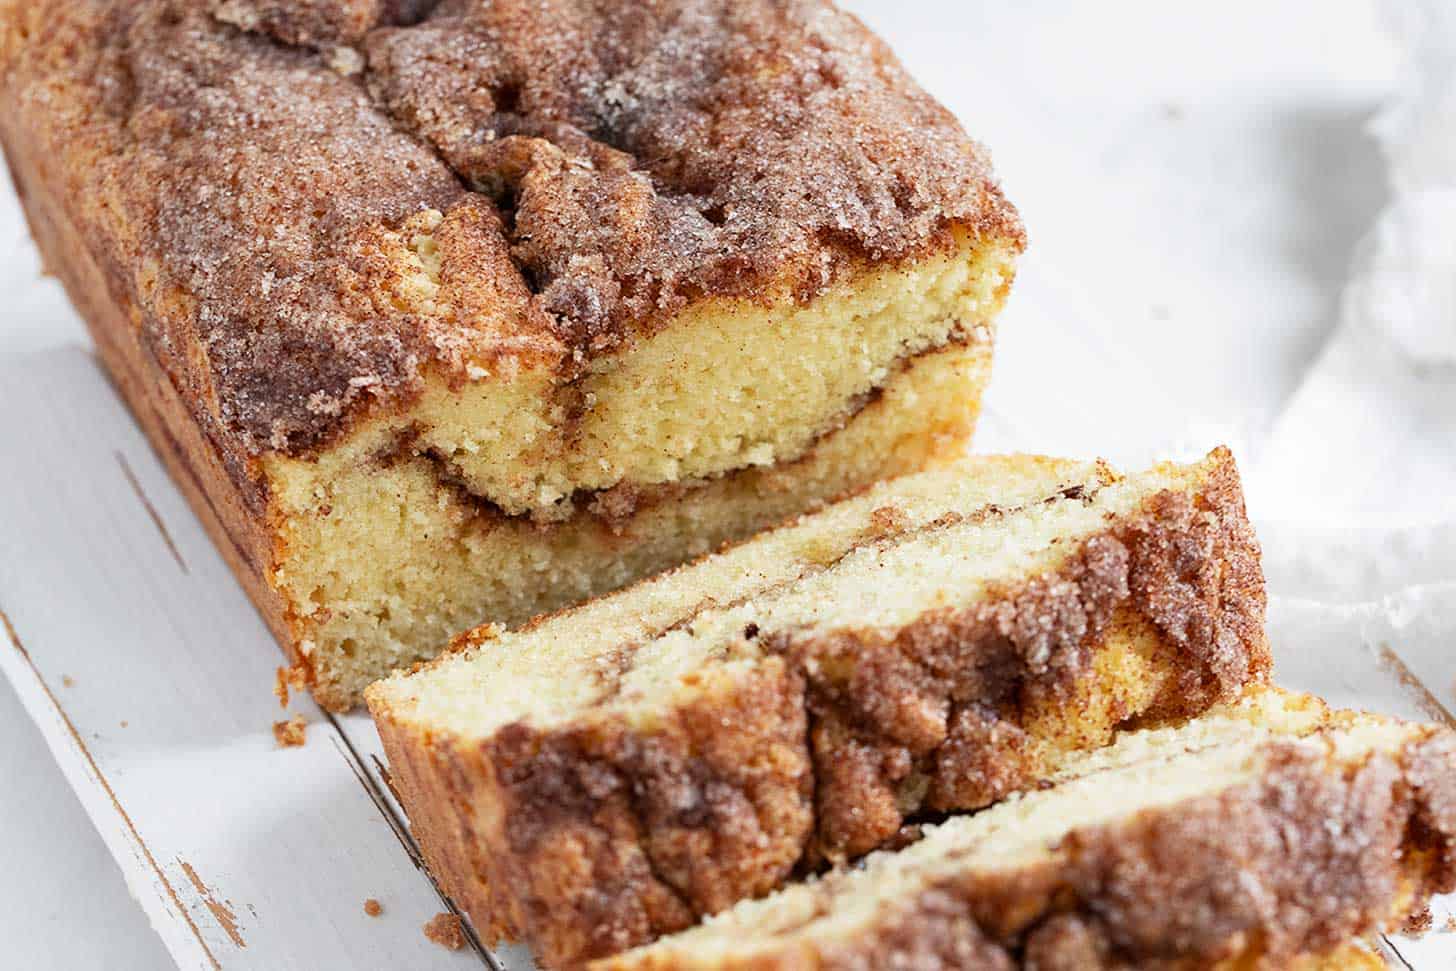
387 560
728 384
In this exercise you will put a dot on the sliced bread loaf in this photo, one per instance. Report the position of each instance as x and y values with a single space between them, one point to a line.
616 771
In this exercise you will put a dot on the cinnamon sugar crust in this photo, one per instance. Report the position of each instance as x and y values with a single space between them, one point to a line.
318 23
593 179
646 155
1278 872
1331 855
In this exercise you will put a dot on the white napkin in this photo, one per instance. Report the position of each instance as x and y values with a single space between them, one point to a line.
1355 490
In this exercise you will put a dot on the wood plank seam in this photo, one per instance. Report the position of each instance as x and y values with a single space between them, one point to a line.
402 834
1422 696
156 517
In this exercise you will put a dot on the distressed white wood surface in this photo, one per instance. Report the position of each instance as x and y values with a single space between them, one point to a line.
149 673
1191 214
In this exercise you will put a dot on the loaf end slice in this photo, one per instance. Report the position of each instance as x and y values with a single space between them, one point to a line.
1265 835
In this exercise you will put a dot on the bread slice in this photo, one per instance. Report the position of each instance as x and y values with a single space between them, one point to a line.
1262 835
615 771
438 323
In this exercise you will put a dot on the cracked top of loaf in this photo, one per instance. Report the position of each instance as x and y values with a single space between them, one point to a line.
315 204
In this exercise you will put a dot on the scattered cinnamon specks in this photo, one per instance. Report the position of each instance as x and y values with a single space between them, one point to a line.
292 733
888 520
373 908
445 930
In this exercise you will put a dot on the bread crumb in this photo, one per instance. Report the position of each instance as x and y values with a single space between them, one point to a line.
1450 926
290 734
294 677
123 723
445 930
68 681
372 907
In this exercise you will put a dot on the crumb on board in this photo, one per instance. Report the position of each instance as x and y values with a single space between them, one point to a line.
445 930
288 677
68 681
372 907
123 723
1450 926
291 733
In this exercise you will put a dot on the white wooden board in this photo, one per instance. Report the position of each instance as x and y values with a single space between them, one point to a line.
150 675
1191 215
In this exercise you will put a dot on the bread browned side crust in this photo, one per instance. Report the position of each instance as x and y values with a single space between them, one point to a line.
244 537
1262 876
586 839
629 832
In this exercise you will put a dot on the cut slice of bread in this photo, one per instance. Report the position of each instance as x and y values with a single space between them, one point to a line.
1265 834
616 771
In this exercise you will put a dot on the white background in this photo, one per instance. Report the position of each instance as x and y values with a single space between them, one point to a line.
1194 178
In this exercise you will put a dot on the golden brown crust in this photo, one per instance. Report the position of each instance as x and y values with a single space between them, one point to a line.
588 842
232 190
233 514
238 192
589 838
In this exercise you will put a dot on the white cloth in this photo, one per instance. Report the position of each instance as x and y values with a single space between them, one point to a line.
1355 490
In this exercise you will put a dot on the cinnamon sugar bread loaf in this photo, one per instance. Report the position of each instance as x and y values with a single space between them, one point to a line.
449 313
1263 835
618 770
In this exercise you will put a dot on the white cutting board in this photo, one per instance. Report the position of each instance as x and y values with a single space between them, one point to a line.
1191 214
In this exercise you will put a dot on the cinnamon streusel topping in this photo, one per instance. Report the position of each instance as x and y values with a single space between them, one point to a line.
570 173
